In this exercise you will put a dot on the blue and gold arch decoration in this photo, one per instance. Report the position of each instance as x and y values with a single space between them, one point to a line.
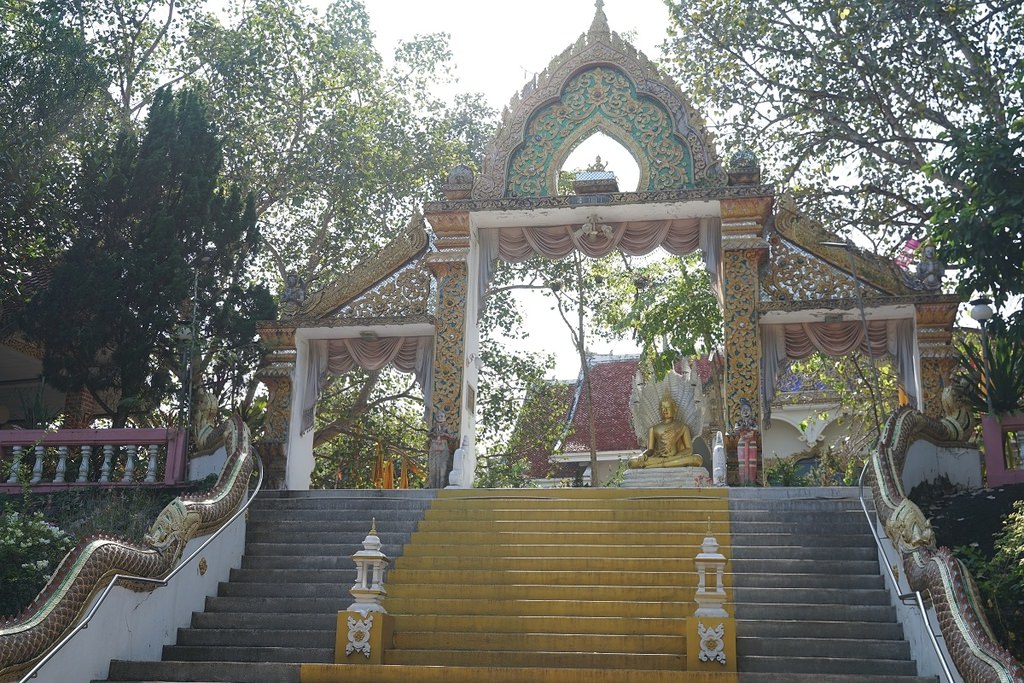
599 98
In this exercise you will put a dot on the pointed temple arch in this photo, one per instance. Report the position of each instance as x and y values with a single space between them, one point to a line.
600 83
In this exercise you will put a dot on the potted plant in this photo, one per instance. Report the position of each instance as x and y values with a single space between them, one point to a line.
999 394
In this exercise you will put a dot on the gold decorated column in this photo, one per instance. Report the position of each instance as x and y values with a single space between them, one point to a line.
935 320
276 374
743 251
451 272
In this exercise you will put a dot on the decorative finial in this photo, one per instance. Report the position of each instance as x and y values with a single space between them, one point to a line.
599 27
373 526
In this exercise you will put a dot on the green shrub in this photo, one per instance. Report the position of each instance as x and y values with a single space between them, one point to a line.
1000 580
784 472
30 550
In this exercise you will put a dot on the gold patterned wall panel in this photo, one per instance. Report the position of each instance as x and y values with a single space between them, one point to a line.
939 359
396 254
405 293
878 275
449 342
742 341
795 274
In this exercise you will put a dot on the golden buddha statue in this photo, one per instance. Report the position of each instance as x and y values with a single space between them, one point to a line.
666 414
669 442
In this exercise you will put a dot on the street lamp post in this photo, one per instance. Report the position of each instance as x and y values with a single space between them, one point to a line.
981 311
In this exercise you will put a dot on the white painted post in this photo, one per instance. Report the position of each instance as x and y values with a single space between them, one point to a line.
62 464
129 464
15 465
37 466
154 450
370 564
108 454
83 467
710 600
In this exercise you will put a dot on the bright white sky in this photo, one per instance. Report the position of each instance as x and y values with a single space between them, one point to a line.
497 48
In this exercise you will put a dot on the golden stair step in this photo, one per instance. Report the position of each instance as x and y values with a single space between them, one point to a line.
542 624
586 493
583 592
565 536
584 564
586 526
541 642
629 514
535 576
553 550
602 608
346 673
556 660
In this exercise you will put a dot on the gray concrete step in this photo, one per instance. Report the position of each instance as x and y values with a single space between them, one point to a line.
824 664
795 594
777 628
254 636
267 620
838 648
808 581
803 552
206 672
245 653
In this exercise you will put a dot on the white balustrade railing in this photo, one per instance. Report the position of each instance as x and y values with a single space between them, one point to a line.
76 457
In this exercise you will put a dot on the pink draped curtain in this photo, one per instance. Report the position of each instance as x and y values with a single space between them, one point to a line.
796 341
679 236
372 354
338 356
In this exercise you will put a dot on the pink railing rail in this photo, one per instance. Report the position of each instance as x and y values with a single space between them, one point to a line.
70 458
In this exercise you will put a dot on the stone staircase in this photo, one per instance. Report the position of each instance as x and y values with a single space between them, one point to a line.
547 586
811 604
280 608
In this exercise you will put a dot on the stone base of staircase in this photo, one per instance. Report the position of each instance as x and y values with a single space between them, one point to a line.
551 586
667 478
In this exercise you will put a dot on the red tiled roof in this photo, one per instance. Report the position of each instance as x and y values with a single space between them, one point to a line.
540 423
611 382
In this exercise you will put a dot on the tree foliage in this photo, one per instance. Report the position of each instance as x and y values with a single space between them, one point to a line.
157 244
883 115
338 148
665 305
50 79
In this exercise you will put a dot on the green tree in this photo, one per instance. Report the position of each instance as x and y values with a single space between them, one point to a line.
666 305
158 244
50 80
883 115
339 149
978 225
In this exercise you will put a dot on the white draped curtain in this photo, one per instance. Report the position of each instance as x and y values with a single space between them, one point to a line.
679 236
785 342
338 356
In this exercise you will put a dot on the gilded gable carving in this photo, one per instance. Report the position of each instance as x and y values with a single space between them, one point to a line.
795 274
877 274
405 293
397 253
636 83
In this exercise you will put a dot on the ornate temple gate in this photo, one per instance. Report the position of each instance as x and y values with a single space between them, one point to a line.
782 291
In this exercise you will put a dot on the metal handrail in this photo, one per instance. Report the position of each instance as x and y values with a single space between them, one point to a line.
903 597
84 623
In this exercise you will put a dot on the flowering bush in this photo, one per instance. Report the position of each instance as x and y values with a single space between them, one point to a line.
30 550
